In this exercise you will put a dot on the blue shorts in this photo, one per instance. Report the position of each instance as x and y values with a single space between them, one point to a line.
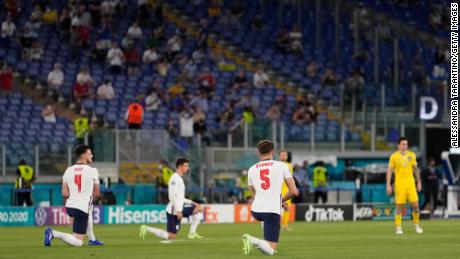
271 225
80 220
173 224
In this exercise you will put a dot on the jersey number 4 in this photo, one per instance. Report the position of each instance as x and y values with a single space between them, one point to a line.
265 180
77 180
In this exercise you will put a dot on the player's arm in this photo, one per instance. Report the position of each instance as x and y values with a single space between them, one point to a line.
292 189
418 179
252 190
176 198
389 174
96 188
65 190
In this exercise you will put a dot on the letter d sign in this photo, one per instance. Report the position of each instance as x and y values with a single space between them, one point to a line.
425 102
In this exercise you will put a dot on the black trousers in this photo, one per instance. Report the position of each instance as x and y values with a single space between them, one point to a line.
320 194
24 197
431 195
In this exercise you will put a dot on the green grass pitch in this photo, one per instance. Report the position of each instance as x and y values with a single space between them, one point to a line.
365 239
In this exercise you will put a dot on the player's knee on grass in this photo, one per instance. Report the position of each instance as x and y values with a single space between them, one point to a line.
272 244
79 236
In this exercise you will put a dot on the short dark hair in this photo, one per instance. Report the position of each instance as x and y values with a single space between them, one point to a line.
265 146
80 150
181 161
401 139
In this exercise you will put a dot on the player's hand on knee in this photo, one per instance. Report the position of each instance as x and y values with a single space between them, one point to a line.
179 216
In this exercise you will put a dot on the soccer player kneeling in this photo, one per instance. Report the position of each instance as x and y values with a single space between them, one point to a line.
178 207
265 180
80 185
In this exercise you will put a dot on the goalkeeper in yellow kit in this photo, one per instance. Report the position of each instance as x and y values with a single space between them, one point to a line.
404 165
284 157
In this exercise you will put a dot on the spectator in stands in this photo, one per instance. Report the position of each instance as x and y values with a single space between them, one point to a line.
6 80
55 80
162 67
441 59
30 33
95 11
282 40
150 56
50 16
203 35
106 91
207 81
49 114
198 56
248 115
274 113
258 23
108 8
226 117
34 53
172 128
301 180
301 116
354 84
81 89
296 39
135 31
199 121
320 178
37 13
25 177
200 101
240 81
8 32
260 78
329 78
65 23
214 10
177 103
249 100
75 42
312 70
127 41
115 58
173 47
312 112
13 8
135 115
132 57
431 178
363 20
152 100
435 19
99 52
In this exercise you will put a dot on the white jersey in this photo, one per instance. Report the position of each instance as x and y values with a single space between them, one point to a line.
81 180
267 178
176 194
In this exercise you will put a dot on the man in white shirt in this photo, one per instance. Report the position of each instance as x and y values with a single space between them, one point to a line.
80 186
115 58
150 56
260 78
135 31
178 207
265 180
55 78
8 30
105 91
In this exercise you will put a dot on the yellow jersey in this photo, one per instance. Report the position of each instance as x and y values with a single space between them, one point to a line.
285 189
403 165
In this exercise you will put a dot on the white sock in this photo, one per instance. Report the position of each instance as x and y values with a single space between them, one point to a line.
158 232
89 229
68 238
262 245
195 221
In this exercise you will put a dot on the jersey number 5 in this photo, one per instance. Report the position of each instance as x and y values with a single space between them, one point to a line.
77 180
265 180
